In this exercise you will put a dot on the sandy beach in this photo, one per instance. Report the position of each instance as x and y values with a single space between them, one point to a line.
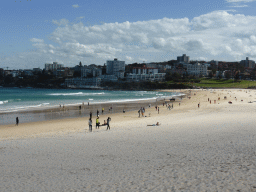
210 147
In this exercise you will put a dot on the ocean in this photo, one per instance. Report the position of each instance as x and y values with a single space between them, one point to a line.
13 101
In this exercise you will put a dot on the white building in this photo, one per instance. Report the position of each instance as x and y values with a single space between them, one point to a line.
53 67
145 77
112 78
197 69
144 70
145 74
183 58
83 82
116 68
90 70
220 73
248 63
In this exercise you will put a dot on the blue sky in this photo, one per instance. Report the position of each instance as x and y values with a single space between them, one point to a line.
35 32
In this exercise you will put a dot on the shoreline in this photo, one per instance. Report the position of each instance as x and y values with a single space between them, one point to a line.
73 110
72 113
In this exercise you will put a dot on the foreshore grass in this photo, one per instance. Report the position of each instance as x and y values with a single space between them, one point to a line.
225 83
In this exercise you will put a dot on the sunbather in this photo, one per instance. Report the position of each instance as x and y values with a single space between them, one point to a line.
157 124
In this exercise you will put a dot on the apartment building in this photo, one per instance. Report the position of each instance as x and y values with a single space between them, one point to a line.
93 82
248 63
145 74
53 67
197 69
116 68
183 58
91 70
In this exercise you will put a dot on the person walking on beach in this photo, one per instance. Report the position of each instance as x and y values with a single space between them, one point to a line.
97 113
97 123
139 113
17 121
90 115
158 110
102 111
108 120
90 125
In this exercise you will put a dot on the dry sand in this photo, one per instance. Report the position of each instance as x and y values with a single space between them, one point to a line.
211 148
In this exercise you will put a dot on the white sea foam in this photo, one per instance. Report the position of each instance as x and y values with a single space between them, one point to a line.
76 94
3 102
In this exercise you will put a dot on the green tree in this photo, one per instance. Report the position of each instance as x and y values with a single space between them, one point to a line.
236 75
214 71
227 75
210 74
220 75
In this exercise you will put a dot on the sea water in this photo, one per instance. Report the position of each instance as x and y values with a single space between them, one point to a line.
20 99
15 100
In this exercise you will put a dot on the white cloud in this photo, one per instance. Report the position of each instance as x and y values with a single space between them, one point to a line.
75 6
78 18
60 22
239 6
201 58
35 40
216 35
128 58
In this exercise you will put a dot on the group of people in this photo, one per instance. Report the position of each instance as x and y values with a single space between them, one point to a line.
157 109
106 123
142 111
169 106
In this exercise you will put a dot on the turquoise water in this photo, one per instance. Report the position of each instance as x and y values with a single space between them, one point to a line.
20 99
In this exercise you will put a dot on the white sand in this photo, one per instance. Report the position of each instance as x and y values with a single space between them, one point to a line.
207 149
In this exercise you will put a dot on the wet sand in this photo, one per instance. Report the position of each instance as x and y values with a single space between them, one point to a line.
73 111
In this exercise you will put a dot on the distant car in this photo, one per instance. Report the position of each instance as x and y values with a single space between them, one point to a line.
230 102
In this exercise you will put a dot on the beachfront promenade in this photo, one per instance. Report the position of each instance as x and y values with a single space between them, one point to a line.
210 148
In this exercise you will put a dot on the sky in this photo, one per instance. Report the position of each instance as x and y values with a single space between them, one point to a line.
35 32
